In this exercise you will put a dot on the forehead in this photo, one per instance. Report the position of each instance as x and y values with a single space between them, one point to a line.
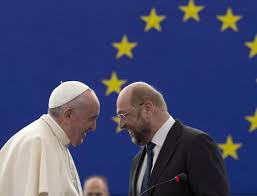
123 102
90 100
94 184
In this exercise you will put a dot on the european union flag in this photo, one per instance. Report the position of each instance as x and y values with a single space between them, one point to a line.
202 55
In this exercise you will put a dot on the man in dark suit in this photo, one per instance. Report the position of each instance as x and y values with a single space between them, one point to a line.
169 148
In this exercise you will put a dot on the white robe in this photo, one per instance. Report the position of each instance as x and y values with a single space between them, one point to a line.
36 161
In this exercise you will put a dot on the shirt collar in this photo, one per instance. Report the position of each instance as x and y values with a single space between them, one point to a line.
57 130
160 136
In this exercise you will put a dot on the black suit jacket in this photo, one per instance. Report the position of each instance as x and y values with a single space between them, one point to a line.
185 150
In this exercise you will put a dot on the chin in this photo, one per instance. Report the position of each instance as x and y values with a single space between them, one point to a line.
133 140
75 144
136 141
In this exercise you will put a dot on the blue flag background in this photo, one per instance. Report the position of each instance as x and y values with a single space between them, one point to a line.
202 58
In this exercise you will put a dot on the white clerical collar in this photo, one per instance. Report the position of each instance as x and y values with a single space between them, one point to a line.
57 130
160 136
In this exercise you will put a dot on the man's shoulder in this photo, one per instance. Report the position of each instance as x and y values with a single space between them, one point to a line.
32 133
189 133
138 155
188 129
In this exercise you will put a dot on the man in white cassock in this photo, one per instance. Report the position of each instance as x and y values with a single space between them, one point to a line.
36 160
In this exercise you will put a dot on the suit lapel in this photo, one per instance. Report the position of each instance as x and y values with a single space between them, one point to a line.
137 165
166 152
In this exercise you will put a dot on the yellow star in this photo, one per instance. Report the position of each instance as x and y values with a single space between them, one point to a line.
230 148
114 84
153 20
253 46
124 47
191 11
117 120
229 20
253 121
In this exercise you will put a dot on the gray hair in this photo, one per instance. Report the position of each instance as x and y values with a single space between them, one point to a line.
73 104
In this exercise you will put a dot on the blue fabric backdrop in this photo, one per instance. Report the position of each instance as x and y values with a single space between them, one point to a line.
200 54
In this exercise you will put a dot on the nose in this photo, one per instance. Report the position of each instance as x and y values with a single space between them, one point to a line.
122 123
93 126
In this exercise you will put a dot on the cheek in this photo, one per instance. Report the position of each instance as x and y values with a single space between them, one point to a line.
87 125
79 127
83 123
133 126
139 125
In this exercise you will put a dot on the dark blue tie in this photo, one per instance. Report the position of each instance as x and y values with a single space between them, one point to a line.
149 151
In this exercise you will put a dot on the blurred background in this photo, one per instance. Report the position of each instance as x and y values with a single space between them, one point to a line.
202 55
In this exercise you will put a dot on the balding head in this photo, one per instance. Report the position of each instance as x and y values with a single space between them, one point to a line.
96 186
140 92
142 111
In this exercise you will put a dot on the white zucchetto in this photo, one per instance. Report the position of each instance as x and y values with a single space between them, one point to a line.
66 92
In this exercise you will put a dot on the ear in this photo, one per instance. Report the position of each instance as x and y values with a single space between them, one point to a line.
67 115
148 106
147 109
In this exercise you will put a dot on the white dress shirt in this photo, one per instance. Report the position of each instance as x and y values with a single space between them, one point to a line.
158 139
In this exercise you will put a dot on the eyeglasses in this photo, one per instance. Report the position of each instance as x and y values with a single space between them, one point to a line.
123 116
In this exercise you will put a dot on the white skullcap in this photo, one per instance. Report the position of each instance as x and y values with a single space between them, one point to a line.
66 92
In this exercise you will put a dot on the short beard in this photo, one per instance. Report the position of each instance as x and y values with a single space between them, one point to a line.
142 137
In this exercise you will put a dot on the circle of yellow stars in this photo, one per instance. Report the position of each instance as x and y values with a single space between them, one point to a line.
191 11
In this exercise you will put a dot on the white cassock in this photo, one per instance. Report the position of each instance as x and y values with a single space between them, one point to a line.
36 161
